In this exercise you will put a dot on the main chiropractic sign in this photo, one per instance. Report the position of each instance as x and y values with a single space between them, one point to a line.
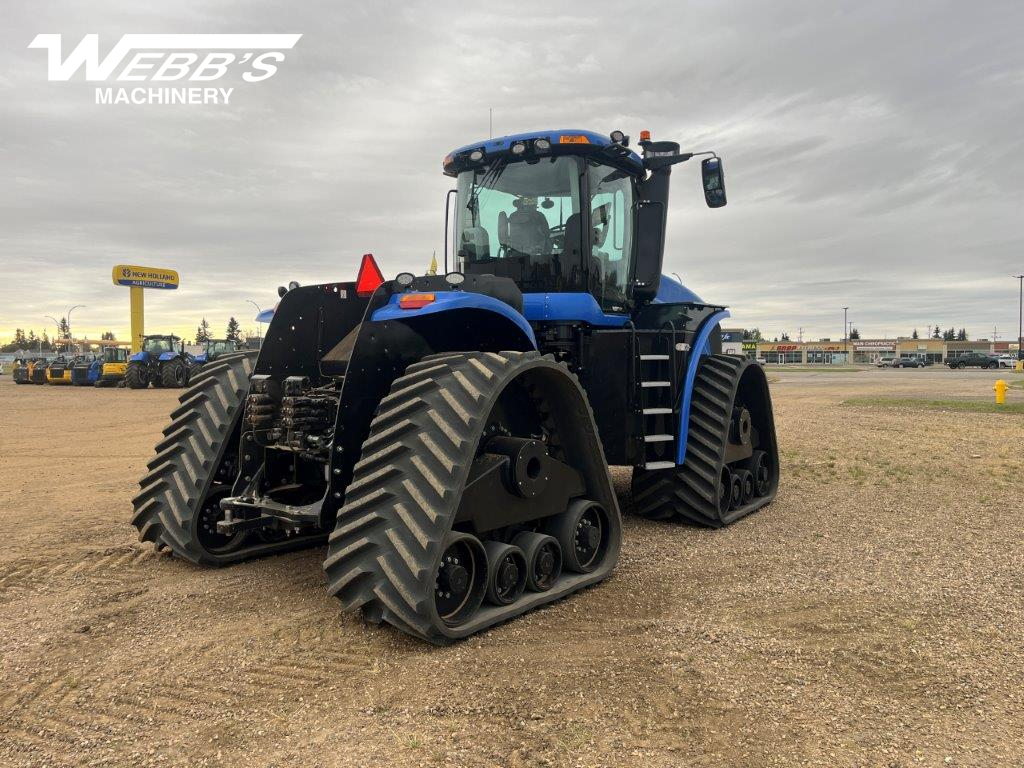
199 60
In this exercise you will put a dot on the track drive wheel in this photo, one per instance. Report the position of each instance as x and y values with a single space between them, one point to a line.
408 551
731 465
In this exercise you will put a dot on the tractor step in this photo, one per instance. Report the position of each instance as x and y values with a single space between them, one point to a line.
658 438
652 384
652 465
646 358
656 411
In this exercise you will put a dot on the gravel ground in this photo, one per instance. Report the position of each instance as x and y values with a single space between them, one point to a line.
872 616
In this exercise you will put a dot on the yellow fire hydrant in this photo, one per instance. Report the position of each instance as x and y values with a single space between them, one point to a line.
1000 389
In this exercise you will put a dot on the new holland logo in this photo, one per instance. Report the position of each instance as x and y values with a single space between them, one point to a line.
168 58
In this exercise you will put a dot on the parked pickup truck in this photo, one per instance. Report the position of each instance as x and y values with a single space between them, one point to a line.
973 360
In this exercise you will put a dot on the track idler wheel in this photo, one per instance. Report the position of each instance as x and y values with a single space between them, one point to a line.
761 471
210 513
461 580
582 533
543 559
746 482
506 573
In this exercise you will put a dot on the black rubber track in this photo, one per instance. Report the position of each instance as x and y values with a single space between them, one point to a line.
384 552
184 470
691 491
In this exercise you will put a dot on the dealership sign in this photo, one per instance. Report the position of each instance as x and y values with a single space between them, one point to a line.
199 60
145 277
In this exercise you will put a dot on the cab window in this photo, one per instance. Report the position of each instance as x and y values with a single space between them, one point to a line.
611 219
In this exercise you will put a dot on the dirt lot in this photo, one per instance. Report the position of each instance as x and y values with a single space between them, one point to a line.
873 616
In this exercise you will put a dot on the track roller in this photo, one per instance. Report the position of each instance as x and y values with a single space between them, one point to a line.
507 572
543 559
582 534
461 580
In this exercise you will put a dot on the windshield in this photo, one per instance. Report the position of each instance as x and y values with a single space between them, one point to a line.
523 220
115 355
157 345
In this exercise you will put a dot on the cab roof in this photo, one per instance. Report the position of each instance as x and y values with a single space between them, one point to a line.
563 142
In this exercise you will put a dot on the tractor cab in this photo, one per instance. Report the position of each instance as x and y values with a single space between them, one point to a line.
568 212
115 355
156 346
217 347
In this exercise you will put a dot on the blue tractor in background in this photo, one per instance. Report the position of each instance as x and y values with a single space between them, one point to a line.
162 362
449 436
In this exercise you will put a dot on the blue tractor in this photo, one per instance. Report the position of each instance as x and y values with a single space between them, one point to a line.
449 436
161 362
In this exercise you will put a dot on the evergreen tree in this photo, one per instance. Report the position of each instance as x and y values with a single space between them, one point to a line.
854 334
233 333
785 336
203 332
936 334
961 335
108 336
754 334
65 330
914 334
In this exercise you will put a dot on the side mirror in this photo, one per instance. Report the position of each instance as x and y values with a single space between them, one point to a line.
714 181
650 241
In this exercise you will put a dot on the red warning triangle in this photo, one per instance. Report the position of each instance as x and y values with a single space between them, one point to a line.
370 276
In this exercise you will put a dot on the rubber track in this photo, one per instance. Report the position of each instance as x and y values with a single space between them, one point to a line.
691 491
405 492
182 472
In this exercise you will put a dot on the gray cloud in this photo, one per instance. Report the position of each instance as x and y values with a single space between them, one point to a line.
873 152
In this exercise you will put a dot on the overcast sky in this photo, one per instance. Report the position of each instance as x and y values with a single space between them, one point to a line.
874 152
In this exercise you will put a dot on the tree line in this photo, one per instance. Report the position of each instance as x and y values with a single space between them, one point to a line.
233 331
30 341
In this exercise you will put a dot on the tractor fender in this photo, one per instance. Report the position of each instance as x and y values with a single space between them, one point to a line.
139 357
701 346
464 314
165 356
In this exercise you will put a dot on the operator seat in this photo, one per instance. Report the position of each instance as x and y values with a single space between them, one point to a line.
528 230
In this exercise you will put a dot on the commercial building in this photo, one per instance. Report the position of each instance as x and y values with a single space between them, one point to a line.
858 351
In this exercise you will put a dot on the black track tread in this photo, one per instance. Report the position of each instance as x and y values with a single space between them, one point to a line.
187 457
691 491
406 487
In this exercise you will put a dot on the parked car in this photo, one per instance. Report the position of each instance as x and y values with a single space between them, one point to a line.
973 360
886 362
1007 361
908 362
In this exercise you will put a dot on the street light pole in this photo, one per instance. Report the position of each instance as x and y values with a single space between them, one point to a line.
259 324
70 335
1020 319
57 323
846 335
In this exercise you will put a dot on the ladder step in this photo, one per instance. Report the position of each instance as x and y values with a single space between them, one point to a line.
657 411
658 438
659 465
649 384
654 357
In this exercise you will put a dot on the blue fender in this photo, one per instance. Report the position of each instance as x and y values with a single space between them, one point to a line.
165 356
139 357
452 301
701 346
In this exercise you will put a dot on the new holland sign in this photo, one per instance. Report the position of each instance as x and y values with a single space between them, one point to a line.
145 277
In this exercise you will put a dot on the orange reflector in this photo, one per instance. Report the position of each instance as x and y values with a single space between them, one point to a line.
369 276
416 300
645 135
573 140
